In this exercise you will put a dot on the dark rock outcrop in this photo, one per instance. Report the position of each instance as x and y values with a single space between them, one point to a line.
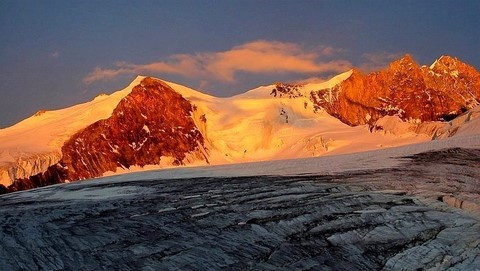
441 92
289 90
153 121
55 174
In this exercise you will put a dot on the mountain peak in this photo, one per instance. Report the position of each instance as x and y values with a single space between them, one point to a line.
446 61
404 89
406 62
356 72
455 67
153 120
447 58
407 57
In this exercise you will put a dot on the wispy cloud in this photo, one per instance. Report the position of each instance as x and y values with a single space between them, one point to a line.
378 60
257 57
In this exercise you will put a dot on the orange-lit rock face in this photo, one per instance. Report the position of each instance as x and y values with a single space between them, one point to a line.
151 122
405 89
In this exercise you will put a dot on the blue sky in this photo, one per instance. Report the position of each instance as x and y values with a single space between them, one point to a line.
54 54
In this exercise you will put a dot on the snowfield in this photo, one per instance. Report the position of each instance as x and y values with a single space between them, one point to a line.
384 159
254 126
32 145
400 202
274 122
404 208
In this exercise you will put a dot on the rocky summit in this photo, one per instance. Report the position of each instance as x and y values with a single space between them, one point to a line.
440 92
156 123
151 122
414 207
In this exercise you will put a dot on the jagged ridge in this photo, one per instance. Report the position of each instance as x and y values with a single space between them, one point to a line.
152 122
439 92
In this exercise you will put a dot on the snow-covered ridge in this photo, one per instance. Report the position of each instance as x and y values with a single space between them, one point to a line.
32 145
414 93
247 127
257 125
265 91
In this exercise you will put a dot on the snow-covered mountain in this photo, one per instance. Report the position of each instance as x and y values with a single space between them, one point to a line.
157 124
440 92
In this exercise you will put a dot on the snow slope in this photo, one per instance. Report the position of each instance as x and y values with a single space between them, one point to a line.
325 165
250 127
255 126
32 145
366 220
466 124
